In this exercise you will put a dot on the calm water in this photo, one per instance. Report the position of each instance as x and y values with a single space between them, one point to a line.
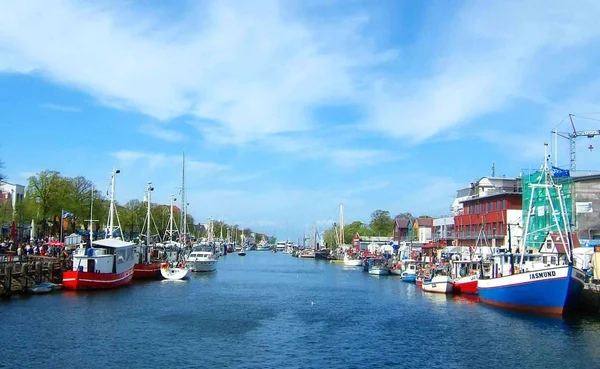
273 311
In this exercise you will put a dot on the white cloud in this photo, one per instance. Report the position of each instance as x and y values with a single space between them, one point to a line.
245 71
63 108
162 133
158 160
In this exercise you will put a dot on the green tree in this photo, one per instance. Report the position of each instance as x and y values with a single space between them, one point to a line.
407 216
47 189
356 227
382 223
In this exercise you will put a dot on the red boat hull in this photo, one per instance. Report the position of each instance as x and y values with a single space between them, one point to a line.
74 280
147 271
468 288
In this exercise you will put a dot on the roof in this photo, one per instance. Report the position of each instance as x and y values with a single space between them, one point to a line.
425 222
402 223
472 199
112 242
559 245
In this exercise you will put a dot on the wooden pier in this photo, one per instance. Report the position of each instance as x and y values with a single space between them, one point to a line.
17 276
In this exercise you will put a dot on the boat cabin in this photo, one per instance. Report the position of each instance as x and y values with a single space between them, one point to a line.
555 248
501 264
200 255
109 255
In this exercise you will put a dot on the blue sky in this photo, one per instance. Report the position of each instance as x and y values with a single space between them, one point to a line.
287 108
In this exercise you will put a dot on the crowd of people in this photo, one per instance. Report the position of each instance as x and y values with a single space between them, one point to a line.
10 250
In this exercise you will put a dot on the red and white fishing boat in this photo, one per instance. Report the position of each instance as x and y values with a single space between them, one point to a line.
144 267
465 274
106 263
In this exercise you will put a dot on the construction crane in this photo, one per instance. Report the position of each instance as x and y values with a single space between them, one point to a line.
571 136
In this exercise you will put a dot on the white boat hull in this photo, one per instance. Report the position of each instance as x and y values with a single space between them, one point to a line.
352 262
379 271
440 284
174 273
203 265
397 271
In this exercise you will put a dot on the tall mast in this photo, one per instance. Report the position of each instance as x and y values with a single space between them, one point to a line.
171 218
341 225
91 220
183 205
148 198
112 212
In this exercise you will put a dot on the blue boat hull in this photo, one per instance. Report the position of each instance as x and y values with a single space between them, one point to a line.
409 278
550 291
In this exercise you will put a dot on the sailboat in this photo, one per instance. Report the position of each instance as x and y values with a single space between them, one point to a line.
176 270
523 282
106 263
144 267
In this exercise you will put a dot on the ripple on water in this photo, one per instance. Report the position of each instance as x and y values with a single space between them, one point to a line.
274 311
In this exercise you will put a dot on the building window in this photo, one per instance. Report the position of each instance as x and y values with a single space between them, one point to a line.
487 207
504 204
545 259
553 260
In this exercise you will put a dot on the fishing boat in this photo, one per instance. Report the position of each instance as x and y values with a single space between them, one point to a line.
409 270
179 269
441 283
352 260
105 263
145 267
466 275
202 261
524 281
378 267
396 269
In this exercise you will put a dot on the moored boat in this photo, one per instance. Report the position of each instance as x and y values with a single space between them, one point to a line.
175 271
107 264
352 261
104 263
145 267
202 261
438 284
525 281
378 267
409 271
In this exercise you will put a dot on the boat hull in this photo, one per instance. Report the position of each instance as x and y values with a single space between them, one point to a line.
466 285
396 271
554 290
409 277
204 266
174 274
379 271
353 262
77 280
438 285
147 271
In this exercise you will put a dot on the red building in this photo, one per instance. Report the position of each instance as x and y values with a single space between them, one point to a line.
485 209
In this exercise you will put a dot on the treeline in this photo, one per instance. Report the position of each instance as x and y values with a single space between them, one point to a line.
49 193
380 225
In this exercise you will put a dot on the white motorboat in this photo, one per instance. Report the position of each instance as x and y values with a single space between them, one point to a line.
438 284
174 272
202 261
352 261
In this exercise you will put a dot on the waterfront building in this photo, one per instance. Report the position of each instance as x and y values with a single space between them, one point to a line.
11 192
586 204
487 210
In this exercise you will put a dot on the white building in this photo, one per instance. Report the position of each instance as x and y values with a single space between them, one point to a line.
12 192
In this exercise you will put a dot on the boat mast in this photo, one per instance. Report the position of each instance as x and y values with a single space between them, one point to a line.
112 211
91 220
171 218
148 215
341 242
183 205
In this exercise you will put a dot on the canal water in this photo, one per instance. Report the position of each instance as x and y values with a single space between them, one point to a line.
273 311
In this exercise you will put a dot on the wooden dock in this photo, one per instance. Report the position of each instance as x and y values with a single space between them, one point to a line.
17 276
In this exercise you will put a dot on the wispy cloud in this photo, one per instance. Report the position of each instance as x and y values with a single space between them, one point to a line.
63 108
157 160
162 133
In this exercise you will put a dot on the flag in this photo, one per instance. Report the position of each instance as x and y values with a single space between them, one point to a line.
66 214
